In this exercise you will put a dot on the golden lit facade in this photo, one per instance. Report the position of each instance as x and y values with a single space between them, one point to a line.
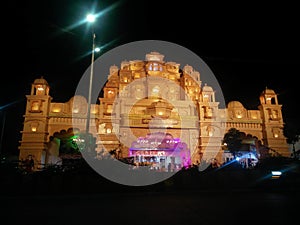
150 96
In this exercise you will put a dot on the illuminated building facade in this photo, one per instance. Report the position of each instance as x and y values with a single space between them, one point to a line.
148 97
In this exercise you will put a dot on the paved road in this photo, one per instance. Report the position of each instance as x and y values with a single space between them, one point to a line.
155 208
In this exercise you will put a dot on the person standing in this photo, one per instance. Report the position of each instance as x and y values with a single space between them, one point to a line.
29 163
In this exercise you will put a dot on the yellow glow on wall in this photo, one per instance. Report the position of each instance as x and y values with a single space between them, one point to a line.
56 110
39 90
35 106
33 129
109 109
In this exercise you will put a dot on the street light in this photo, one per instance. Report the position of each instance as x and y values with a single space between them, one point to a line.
97 49
91 19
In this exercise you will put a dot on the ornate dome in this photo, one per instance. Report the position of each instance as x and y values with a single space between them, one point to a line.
207 88
40 81
235 104
78 104
268 91
154 56
78 99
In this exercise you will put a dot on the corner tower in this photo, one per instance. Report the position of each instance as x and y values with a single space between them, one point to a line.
35 126
273 123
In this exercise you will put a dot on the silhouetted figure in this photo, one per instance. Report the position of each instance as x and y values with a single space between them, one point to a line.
29 163
215 163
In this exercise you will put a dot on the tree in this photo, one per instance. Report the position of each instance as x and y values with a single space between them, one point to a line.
87 144
233 139
293 136
74 142
67 144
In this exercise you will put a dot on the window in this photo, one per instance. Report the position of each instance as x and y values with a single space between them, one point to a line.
110 94
155 67
109 109
35 106
39 90
34 127
155 91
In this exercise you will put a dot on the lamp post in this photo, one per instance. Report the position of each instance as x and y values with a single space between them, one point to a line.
91 19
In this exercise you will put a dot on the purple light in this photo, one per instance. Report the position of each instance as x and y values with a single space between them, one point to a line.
161 144
177 140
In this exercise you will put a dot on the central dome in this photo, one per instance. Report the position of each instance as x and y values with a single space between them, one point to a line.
235 104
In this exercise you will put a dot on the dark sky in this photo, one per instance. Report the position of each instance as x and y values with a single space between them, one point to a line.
248 46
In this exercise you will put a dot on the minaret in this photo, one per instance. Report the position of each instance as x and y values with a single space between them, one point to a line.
273 123
211 132
35 126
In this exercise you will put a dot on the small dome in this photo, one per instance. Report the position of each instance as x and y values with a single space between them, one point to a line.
154 56
78 99
113 69
207 88
235 104
268 91
40 81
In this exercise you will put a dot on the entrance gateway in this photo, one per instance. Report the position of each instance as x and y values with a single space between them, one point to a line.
161 152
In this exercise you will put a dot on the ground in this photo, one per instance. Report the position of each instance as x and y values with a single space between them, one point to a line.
228 195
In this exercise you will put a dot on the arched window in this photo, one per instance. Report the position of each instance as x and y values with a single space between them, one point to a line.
35 106
155 91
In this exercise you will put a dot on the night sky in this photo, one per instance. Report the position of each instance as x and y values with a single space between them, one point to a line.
249 46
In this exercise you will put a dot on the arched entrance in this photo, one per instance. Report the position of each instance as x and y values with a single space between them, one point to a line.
68 145
160 151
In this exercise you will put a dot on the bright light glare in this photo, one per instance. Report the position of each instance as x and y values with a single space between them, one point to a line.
276 173
91 18
97 49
